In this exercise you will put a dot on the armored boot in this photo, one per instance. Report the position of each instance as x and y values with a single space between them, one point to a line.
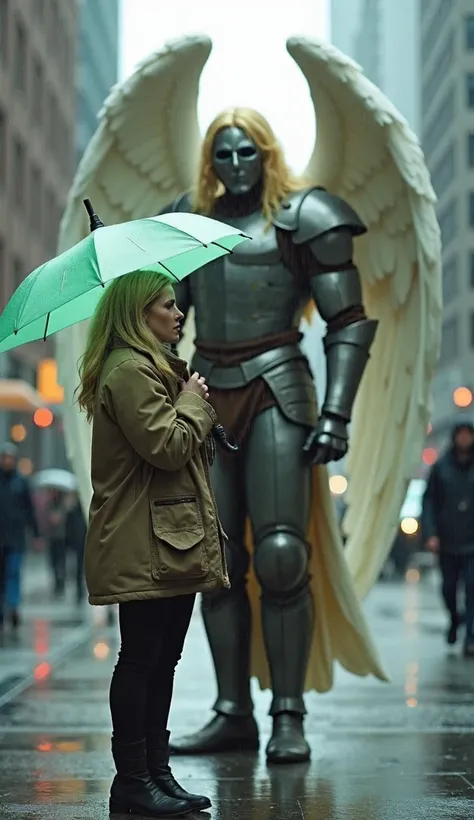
158 765
133 790
228 622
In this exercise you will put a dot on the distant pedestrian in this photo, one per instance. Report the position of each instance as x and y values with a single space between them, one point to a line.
75 543
448 526
17 517
55 531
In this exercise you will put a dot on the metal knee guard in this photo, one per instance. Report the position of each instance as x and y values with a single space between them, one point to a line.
281 566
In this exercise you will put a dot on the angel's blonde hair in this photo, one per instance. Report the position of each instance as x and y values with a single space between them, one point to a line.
278 180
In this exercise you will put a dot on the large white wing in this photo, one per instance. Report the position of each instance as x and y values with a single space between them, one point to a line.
366 153
142 156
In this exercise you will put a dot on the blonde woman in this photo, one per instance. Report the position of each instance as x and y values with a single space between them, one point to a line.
154 538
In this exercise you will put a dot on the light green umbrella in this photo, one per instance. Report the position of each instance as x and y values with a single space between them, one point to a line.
67 289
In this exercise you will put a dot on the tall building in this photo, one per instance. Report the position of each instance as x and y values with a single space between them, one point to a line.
37 160
97 63
447 115
383 36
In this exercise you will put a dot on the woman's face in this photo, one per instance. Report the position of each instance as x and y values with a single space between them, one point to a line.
163 317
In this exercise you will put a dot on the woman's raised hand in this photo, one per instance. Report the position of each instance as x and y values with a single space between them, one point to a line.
196 384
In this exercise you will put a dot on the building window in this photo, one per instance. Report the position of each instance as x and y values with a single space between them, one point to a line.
441 121
4 9
3 145
470 150
38 91
448 223
471 269
20 57
35 198
471 209
472 329
470 31
449 343
450 280
19 173
435 28
470 90
18 273
444 170
440 71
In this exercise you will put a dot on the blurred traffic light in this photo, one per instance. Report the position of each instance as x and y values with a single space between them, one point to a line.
43 417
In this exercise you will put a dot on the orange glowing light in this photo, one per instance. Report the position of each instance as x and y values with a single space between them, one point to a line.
42 671
25 466
45 747
412 702
43 417
101 651
462 397
18 433
429 456
412 576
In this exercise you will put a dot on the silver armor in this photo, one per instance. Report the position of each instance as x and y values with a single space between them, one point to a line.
252 295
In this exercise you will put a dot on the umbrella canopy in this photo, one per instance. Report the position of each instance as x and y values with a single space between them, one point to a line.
55 479
67 289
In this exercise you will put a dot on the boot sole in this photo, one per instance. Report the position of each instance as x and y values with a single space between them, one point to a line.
115 807
220 748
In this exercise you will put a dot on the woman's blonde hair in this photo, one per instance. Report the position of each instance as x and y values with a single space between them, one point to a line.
278 181
120 318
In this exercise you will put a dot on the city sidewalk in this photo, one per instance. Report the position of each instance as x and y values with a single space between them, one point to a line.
398 751
48 632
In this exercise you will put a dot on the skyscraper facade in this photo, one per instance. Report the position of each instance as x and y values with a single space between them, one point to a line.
97 63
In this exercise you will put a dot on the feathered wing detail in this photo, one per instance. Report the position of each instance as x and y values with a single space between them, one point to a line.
142 156
366 153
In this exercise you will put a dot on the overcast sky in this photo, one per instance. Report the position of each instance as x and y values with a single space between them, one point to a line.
249 64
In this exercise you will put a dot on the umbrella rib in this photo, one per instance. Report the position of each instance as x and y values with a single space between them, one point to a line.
46 326
169 271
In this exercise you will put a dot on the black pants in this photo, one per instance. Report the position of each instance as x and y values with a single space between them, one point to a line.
453 568
152 637
57 557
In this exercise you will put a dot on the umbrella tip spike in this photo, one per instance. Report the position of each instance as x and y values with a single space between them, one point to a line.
94 222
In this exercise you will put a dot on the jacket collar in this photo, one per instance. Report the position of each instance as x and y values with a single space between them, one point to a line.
179 366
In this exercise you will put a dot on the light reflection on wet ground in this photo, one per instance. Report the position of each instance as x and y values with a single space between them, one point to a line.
394 751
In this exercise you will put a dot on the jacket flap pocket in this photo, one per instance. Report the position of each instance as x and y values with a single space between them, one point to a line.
177 521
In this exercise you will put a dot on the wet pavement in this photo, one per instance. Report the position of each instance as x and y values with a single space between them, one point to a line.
380 751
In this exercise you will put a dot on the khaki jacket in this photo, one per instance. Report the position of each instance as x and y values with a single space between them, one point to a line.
153 526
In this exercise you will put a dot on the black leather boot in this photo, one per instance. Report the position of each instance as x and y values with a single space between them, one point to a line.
222 734
133 790
288 743
157 751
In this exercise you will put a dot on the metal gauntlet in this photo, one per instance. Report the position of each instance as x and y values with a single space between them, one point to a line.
347 353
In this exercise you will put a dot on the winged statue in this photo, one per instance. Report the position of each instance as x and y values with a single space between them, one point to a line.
366 181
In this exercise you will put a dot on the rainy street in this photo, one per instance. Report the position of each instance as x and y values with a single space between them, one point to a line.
399 750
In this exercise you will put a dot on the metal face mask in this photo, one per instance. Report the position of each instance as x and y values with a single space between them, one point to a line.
236 160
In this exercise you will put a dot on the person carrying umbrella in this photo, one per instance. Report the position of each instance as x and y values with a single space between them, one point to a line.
154 538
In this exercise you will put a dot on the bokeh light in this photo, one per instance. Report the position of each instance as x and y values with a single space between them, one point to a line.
338 484
462 397
18 433
43 417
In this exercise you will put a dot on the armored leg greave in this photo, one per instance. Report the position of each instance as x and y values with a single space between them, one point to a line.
228 626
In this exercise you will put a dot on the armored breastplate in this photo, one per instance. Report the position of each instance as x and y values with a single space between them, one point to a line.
249 293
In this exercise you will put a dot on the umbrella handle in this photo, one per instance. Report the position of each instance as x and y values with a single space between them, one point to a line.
220 435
